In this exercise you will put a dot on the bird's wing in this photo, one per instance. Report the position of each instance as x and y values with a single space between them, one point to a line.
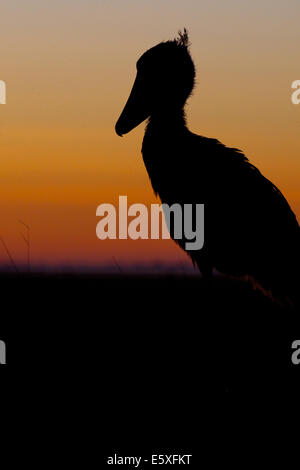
251 227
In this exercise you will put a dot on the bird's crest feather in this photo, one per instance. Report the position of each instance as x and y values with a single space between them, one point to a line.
183 38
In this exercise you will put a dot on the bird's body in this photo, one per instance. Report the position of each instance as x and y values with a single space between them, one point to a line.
250 230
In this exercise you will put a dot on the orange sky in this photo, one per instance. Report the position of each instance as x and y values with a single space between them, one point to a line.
69 66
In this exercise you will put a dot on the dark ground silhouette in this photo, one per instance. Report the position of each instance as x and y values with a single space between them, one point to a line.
156 363
219 336
249 227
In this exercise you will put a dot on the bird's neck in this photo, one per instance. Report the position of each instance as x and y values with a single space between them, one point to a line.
166 120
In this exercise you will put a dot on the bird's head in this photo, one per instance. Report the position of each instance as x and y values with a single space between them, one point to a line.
165 78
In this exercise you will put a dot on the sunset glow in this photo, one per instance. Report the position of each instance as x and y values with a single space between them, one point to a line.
68 75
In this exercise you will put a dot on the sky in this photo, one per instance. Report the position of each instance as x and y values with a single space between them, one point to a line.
69 65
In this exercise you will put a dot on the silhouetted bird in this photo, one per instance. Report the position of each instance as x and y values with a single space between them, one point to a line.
250 230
